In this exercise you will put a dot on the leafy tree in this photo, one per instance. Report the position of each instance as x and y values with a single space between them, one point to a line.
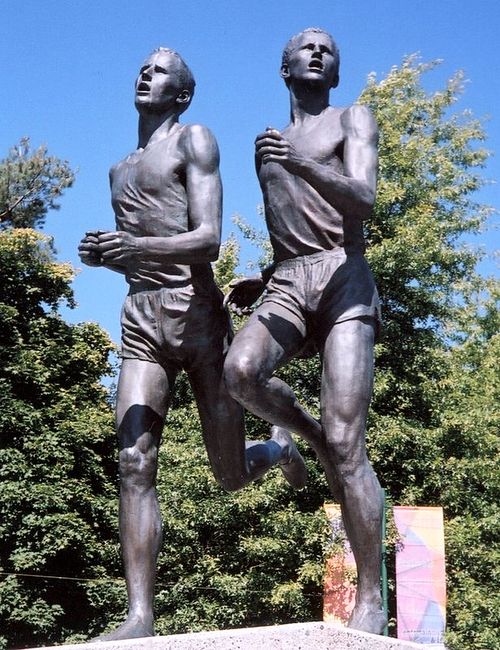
429 171
30 184
224 267
433 429
470 482
57 488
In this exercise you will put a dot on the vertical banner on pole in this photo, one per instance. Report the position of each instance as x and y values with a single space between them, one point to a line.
340 579
420 575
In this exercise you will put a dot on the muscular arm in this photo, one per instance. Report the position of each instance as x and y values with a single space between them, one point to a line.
352 192
204 198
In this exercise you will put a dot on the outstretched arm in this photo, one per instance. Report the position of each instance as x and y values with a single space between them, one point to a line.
204 197
351 192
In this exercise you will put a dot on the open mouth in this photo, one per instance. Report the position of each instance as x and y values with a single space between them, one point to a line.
316 65
143 87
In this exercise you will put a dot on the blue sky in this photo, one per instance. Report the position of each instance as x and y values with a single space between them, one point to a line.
69 69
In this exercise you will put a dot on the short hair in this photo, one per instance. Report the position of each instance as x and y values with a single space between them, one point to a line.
289 47
186 77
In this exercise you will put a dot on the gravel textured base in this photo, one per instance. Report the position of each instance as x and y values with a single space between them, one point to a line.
297 636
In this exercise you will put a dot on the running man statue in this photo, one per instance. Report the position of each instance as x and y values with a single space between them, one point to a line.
167 200
318 178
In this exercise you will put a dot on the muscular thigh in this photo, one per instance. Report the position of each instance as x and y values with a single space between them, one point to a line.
143 395
347 380
271 337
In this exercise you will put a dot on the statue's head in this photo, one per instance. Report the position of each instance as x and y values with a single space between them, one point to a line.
164 81
312 54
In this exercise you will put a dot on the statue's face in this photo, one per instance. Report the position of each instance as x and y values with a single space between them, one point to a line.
312 59
158 86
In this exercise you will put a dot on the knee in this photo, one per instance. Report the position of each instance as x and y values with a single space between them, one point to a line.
137 467
349 460
242 375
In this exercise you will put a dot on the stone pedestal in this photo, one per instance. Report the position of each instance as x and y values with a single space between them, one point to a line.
298 636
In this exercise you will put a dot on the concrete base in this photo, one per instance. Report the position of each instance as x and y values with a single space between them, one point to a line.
298 636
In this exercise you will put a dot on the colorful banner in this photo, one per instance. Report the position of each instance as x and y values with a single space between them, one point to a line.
420 574
340 578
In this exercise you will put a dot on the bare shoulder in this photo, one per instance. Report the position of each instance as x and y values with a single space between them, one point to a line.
199 145
358 122
114 168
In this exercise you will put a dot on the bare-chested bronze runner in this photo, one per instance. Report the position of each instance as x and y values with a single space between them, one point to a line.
167 199
318 178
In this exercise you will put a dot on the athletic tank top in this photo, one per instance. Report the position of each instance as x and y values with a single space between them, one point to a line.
150 200
300 221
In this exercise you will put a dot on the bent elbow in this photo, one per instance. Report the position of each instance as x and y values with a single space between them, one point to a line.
210 248
212 252
366 211
207 244
366 203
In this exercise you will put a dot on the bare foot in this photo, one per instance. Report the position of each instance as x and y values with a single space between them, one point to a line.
367 618
132 628
292 464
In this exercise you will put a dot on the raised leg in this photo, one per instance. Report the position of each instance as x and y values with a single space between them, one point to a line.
234 461
143 394
271 337
347 382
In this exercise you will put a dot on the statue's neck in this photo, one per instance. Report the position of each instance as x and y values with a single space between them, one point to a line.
307 100
154 127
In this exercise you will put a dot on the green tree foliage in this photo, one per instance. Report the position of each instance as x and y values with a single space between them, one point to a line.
433 426
57 488
31 182
433 429
429 171
224 267
470 480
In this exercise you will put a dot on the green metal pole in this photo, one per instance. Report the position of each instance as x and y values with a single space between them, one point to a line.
385 591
